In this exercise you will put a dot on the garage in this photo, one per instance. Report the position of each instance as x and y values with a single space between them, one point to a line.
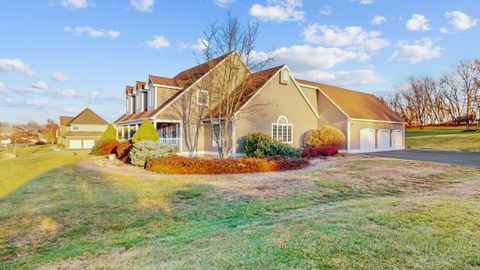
88 144
75 144
397 139
383 139
367 139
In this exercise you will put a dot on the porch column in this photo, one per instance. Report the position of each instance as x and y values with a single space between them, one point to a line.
128 131
123 132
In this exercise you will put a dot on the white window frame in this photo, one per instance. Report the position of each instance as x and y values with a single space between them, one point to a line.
205 92
129 104
138 99
278 130
151 96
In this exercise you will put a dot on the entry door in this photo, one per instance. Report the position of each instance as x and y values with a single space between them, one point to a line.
397 139
367 139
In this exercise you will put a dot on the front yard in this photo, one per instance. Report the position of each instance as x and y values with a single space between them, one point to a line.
367 213
443 138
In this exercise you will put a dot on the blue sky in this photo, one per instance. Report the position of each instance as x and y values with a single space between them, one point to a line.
60 56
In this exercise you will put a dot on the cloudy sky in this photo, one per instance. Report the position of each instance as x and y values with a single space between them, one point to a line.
60 56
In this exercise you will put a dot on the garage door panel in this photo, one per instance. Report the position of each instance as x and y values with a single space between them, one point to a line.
75 144
367 139
88 144
383 139
397 139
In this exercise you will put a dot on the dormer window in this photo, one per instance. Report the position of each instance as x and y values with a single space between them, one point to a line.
285 76
139 101
202 98
151 96
129 104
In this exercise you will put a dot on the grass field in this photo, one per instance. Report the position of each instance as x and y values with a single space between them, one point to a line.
443 138
366 214
27 150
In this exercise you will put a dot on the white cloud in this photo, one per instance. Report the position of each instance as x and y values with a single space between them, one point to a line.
3 88
418 22
279 11
68 93
305 57
200 45
343 78
92 32
223 3
326 10
415 52
443 30
158 42
74 4
143 5
96 97
460 20
59 76
41 85
363 2
15 65
377 20
352 36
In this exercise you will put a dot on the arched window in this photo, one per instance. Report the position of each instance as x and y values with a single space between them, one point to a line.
282 131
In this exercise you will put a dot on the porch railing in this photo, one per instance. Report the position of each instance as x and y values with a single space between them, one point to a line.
170 141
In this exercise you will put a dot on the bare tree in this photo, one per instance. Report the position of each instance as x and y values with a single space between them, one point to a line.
49 130
231 85
468 78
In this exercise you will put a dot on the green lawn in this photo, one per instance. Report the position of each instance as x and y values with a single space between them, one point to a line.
16 172
27 150
366 214
443 138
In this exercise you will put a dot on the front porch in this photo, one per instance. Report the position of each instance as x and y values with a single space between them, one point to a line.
169 132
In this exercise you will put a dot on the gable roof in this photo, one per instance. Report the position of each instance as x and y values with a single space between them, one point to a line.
356 104
139 85
87 117
64 120
166 81
129 90
185 78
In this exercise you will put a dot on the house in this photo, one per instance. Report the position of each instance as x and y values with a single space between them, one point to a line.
5 134
81 131
286 109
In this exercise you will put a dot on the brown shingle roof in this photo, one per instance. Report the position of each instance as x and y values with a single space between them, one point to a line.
183 79
83 134
87 117
139 85
357 104
65 119
129 90
166 81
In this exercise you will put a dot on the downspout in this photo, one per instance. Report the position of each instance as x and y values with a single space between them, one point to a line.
349 123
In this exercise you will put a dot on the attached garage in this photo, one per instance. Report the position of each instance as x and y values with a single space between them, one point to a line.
76 143
88 144
383 139
367 140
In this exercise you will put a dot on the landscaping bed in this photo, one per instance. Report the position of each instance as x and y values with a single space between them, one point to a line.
186 165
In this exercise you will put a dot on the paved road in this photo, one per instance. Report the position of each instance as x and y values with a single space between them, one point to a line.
451 157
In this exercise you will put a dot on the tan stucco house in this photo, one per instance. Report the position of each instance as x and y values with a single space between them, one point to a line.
287 108
81 131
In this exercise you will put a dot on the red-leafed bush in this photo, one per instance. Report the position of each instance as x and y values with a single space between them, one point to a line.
184 165
104 148
324 151
123 149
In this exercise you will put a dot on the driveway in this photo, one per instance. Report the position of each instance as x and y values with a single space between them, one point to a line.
471 159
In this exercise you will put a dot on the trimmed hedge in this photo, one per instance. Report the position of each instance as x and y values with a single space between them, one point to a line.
123 149
324 151
186 165
145 149
325 136
110 134
146 132
260 145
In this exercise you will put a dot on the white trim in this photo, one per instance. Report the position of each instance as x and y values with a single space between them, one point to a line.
210 153
288 125
190 87
168 86
389 147
303 94
378 121
349 123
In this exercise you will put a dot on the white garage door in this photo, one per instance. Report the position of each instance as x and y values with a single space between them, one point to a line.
88 144
383 139
397 139
367 139
75 144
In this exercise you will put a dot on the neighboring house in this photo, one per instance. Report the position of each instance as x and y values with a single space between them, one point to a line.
5 135
286 109
81 131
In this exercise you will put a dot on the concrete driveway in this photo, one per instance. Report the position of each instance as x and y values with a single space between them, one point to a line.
471 159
